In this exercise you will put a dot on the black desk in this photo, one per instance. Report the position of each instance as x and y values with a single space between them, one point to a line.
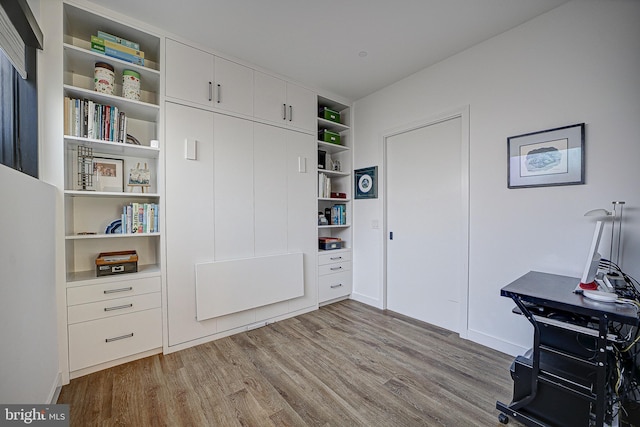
536 296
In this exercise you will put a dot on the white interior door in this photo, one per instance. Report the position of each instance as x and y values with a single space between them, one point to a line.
426 223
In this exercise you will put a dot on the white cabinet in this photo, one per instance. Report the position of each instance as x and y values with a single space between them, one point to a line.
248 192
93 201
200 77
335 189
284 103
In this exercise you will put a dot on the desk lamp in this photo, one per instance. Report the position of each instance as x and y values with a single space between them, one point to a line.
616 224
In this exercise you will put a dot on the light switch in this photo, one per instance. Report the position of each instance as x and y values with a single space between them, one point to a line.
190 149
302 164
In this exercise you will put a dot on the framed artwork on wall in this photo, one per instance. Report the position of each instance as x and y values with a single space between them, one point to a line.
366 183
546 158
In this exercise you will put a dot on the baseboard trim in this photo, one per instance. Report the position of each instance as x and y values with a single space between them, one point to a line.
495 343
367 300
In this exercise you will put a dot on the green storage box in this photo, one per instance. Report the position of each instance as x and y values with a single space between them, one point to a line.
328 136
329 114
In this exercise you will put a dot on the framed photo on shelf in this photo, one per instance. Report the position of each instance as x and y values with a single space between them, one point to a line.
366 183
139 177
546 158
108 175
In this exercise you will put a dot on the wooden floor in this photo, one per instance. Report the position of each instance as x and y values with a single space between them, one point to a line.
346 364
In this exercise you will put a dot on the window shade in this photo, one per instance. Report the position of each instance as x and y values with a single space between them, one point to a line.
12 44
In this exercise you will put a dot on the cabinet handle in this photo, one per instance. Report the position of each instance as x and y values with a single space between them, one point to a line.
121 337
336 286
120 307
335 258
210 91
113 291
336 268
284 111
219 90
290 113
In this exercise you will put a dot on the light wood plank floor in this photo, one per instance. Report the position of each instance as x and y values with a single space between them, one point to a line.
346 364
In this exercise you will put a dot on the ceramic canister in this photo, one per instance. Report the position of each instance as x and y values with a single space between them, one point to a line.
131 84
104 78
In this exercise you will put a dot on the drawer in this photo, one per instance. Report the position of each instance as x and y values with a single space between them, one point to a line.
111 290
334 268
334 286
334 257
102 340
113 307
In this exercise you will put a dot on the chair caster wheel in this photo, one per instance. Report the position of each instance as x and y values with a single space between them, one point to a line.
503 419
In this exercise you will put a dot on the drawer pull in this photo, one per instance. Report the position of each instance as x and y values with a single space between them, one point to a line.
113 291
336 268
335 258
336 286
121 337
120 307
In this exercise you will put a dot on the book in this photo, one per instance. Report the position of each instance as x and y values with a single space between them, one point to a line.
119 40
120 55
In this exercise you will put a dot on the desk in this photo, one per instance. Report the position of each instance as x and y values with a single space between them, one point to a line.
562 378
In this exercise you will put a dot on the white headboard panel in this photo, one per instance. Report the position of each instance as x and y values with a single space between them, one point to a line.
227 287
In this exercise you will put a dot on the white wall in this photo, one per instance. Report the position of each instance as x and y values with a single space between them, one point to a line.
577 63
28 333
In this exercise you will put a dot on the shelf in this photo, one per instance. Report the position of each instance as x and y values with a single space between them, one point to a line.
332 126
90 278
110 147
82 62
103 194
332 199
133 109
334 173
332 148
110 236
334 226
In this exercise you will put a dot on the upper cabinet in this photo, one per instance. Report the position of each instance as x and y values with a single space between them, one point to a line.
284 103
201 78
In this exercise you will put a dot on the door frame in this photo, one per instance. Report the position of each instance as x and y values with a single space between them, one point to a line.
463 114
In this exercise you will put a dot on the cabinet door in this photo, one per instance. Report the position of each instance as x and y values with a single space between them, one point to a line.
189 73
301 207
189 216
302 108
233 87
233 193
269 98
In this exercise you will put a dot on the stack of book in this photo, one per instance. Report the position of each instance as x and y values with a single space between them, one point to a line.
139 218
338 215
117 47
324 186
87 119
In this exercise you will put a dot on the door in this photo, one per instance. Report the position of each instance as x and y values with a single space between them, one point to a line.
189 73
426 222
233 87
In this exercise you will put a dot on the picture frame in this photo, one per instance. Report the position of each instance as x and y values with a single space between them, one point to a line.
139 176
109 176
546 158
366 183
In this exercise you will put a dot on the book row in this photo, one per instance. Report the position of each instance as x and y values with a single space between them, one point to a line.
336 215
87 119
324 186
139 218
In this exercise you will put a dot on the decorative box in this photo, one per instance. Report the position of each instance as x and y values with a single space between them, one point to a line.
109 263
328 243
328 136
328 114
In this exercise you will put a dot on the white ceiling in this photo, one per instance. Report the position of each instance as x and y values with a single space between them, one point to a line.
318 42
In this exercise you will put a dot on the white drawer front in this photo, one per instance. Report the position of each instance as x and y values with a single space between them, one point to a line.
111 290
334 268
334 286
330 258
102 340
112 307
